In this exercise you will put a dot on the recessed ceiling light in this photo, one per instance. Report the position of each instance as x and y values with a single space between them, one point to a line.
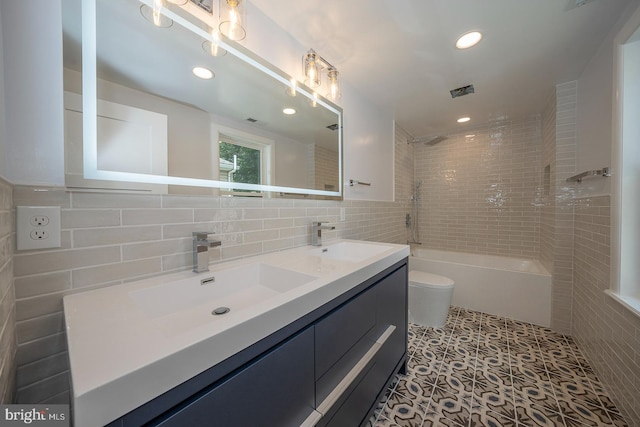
464 119
203 73
468 40
289 111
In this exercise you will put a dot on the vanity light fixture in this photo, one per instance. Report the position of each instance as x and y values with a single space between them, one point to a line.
312 65
154 13
468 40
289 111
213 47
291 89
334 84
232 17
463 119
203 73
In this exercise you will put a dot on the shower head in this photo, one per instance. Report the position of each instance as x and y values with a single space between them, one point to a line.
428 140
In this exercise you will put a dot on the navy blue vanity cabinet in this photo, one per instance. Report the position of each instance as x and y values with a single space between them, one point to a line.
276 390
335 361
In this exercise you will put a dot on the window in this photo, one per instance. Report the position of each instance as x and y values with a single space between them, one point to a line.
244 159
625 278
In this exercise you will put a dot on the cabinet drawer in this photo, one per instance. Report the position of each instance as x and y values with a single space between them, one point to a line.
336 334
275 390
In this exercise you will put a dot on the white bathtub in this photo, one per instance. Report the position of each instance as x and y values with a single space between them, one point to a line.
514 288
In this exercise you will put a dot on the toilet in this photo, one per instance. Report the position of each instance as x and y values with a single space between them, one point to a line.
429 298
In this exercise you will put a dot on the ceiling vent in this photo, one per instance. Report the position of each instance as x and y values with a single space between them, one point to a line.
462 91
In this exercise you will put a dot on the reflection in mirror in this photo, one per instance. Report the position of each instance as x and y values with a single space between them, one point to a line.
155 123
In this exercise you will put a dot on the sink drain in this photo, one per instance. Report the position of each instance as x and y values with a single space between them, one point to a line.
220 310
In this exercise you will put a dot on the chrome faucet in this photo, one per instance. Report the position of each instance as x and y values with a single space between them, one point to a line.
201 245
316 232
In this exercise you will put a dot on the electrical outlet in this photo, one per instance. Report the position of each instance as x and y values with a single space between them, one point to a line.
39 234
37 227
39 220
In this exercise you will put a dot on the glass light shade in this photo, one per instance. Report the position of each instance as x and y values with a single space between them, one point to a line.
334 85
312 70
212 47
232 17
291 89
154 14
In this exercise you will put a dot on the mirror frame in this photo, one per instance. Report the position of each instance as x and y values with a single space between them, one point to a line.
90 100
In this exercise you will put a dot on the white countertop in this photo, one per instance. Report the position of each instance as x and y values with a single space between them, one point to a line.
121 357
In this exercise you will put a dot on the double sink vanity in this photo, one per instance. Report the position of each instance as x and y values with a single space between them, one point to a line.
306 336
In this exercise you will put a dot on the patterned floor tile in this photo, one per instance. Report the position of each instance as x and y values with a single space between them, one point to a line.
459 385
424 370
487 396
414 389
533 416
581 413
484 370
462 367
402 411
484 417
453 409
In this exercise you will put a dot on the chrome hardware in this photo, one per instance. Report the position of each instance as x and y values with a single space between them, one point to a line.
201 245
316 232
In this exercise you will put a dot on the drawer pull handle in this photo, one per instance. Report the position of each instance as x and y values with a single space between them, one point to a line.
343 385
312 419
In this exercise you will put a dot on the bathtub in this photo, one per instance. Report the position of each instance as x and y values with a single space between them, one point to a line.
510 287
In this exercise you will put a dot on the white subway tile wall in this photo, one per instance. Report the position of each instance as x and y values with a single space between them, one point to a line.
7 299
481 190
608 334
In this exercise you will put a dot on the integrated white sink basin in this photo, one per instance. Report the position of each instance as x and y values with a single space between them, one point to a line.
130 343
235 288
351 251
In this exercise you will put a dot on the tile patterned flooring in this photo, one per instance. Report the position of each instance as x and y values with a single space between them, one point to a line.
484 370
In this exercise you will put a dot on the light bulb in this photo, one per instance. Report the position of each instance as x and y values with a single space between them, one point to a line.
213 46
311 70
291 90
334 85
231 19
155 15
157 12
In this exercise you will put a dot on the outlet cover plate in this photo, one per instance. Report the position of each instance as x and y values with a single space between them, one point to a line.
37 227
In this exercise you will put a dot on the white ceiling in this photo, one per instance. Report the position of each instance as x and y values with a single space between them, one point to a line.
401 53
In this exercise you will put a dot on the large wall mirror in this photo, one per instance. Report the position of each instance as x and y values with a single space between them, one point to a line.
138 118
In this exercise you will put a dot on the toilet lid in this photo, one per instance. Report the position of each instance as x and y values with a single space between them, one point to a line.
422 278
